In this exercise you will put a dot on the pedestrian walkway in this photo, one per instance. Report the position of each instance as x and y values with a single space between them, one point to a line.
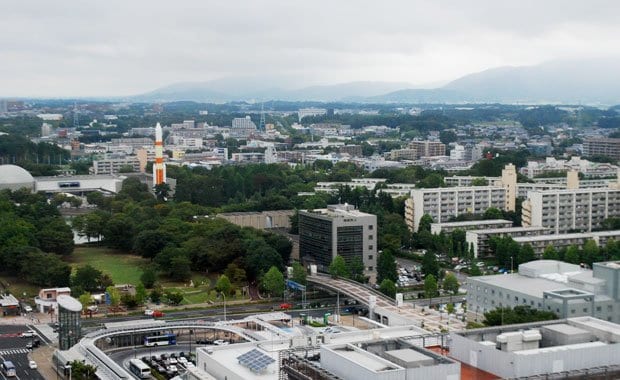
14 351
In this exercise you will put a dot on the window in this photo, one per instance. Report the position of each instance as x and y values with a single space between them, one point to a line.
572 311
585 309
598 308
371 227
370 247
370 268
370 237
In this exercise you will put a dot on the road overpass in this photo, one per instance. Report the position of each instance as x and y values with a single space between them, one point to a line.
384 309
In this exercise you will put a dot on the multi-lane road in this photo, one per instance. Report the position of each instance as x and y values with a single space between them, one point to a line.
13 348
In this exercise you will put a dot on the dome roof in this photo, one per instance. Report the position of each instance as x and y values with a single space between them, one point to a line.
14 175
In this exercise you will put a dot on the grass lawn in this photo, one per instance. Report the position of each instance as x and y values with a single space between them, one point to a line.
18 287
124 268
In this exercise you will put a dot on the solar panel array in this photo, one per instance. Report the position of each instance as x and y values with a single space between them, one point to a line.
255 360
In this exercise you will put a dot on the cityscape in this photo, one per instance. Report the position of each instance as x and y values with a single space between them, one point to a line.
235 191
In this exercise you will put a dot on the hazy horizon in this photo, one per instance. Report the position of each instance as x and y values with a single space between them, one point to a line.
118 48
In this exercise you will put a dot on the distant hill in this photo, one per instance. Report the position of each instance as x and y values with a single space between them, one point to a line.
589 82
269 89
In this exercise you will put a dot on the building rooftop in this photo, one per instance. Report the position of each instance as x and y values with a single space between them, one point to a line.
522 284
507 230
69 303
473 223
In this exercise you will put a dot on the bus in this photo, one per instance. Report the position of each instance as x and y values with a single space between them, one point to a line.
160 340
140 369
8 369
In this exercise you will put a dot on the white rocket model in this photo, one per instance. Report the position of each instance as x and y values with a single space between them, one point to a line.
159 168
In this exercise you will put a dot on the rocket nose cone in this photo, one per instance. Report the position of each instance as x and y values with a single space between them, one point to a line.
158 125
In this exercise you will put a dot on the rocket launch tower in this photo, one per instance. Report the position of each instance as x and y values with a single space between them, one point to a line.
159 168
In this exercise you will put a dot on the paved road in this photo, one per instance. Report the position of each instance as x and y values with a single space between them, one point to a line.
13 348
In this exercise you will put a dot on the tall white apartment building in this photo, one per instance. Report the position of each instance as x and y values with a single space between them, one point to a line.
570 210
446 202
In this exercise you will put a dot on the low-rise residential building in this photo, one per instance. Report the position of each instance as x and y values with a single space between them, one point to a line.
570 210
114 164
479 239
565 289
46 301
449 227
561 241
602 146
444 203
428 148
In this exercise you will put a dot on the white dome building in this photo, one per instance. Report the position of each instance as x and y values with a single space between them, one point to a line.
13 177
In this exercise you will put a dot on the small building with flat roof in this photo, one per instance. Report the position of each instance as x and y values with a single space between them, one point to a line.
449 227
565 289
568 348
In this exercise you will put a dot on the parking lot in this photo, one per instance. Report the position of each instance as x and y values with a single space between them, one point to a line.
169 365
13 347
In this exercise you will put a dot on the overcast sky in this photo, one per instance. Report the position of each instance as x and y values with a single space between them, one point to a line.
97 48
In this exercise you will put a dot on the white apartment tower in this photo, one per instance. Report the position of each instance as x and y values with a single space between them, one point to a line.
570 210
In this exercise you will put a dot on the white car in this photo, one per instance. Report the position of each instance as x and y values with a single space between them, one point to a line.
220 342
172 361
172 368
28 334
183 360
148 312
32 364
190 365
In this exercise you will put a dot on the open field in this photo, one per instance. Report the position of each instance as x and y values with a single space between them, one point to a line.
123 268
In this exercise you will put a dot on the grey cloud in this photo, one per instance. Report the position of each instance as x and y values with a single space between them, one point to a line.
119 47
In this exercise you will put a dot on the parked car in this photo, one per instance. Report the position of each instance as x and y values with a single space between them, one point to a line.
32 364
285 306
220 342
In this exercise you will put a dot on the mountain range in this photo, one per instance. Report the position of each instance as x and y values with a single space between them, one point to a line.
573 82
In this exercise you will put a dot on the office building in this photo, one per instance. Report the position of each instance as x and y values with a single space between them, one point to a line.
602 146
186 124
338 230
479 239
444 203
570 210
449 227
428 148
565 289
